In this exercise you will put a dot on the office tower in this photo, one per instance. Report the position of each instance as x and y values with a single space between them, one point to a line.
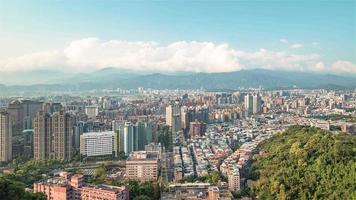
130 135
53 136
257 104
134 136
5 136
173 116
143 166
98 144
248 104
92 111
78 130
145 130
30 108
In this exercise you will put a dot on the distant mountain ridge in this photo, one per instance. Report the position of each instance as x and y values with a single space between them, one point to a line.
111 78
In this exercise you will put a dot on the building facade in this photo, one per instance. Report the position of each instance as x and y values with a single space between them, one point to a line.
5 136
143 166
98 144
67 187
53 136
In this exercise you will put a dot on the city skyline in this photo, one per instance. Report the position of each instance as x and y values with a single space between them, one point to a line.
175 36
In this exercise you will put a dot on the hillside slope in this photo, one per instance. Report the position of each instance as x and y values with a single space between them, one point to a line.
306 163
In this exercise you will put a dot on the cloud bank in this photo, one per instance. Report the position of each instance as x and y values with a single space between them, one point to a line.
91 54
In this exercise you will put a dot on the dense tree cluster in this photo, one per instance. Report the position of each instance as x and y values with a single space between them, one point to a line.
213 178
140 190
306 163
31 171
13 190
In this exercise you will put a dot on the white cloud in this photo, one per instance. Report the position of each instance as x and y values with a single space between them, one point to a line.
285 41
320 66
90 54
344 67
278 60
296 46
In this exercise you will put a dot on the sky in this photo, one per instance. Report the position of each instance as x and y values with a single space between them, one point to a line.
176 36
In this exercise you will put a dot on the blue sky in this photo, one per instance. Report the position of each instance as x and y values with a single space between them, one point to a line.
323 28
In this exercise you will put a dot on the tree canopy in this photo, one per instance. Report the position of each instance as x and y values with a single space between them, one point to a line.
13 190
306 163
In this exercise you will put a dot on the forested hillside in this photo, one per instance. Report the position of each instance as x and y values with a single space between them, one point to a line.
306 163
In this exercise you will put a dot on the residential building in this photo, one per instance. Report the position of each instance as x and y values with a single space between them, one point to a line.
67 187
5 136
234 180
197 129
53 136
143 166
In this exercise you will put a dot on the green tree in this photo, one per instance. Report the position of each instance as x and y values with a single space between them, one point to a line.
12 190
305 163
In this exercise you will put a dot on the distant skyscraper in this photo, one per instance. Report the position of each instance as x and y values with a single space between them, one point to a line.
257 104
248 104
134 136
173 116
5 136
15 109
130 137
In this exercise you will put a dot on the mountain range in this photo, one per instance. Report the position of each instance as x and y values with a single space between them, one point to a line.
112 78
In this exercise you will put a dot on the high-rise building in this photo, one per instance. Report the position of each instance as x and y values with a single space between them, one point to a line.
42 136
5 136
143 166
248 104
173 116
28 143
257 104
145 130
15 109
134 136
130 136
62 127
30 108
53 135
98 144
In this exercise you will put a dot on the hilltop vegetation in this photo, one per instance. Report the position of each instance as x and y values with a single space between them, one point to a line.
306 163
